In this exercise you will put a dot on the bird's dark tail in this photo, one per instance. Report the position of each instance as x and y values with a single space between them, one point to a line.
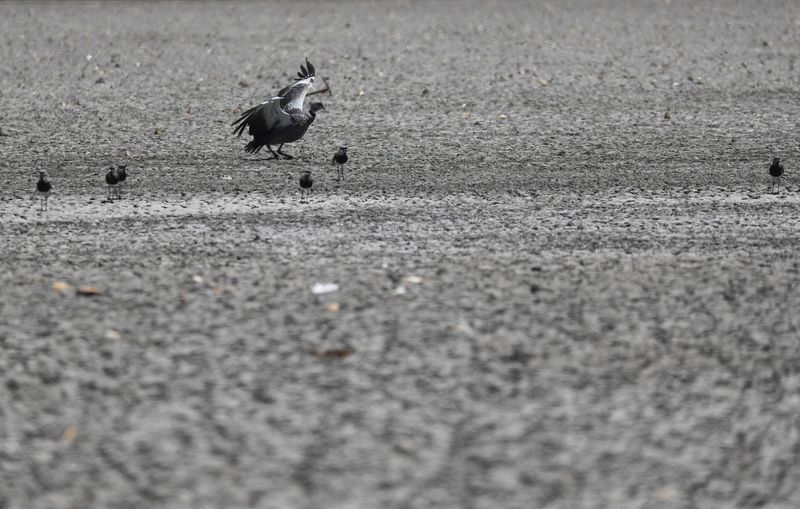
244 121
252 147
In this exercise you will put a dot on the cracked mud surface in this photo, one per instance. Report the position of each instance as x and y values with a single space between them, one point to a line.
549 294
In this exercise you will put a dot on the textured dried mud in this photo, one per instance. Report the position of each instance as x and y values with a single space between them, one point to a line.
549 294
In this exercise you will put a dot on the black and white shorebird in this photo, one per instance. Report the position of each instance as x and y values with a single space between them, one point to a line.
281 119
305 184
43 187
339 158
112 180
776 170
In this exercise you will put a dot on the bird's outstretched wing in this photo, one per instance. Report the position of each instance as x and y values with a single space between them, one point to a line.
263 118
273 113
292 96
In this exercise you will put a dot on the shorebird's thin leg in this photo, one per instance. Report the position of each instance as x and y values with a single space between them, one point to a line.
285 156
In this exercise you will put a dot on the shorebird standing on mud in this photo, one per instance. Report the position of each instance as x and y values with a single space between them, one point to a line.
281 119
776 170
339 158
305 184
43 187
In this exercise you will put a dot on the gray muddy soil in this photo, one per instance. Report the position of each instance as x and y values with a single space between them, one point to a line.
549 293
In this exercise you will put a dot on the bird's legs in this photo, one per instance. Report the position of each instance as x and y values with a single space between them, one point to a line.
305 193
274 155
110 194
339 171
285 156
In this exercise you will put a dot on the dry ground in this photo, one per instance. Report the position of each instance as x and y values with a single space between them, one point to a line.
550 295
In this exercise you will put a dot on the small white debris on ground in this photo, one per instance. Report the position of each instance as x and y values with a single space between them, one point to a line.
320 288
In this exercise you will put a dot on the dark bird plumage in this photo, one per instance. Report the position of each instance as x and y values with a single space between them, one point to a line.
339 158
776 171
306 181
281 119
43 187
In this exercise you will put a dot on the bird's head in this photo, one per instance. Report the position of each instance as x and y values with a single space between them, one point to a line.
314 107
775 160
343 150
307 173
41 174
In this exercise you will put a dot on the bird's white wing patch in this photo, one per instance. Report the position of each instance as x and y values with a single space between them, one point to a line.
295 94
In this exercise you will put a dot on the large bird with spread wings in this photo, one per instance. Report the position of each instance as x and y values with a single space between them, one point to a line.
281 119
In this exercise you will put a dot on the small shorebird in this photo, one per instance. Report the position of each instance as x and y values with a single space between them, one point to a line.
305 184
43 187
280 119
112 180
776 170
339 158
